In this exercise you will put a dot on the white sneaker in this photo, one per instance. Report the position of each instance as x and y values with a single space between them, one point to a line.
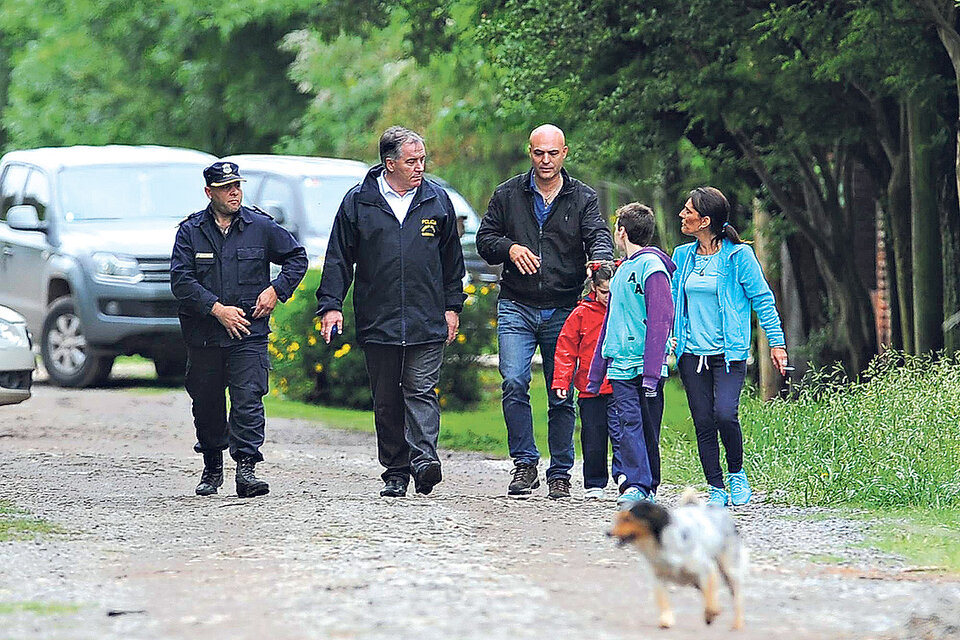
593 493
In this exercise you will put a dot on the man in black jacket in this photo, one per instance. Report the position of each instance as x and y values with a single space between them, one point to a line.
220 274
543 226
396 235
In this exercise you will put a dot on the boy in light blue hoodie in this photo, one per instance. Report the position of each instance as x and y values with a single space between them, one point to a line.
632 349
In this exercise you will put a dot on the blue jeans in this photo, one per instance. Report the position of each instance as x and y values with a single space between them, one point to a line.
520 330
713 394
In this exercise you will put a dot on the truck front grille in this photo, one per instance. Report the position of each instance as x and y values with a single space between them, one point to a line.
155 269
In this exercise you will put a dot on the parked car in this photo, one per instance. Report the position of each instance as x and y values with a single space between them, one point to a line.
85 241
17 361
303 194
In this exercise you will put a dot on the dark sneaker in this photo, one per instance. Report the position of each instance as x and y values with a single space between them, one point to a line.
394 487
427 478
525 480
559 488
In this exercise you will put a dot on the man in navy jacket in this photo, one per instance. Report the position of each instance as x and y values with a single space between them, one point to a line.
395 236
220 273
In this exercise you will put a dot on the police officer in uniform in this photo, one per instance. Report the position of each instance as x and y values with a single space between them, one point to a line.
220 273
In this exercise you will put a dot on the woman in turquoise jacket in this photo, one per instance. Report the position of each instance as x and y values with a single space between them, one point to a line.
718 281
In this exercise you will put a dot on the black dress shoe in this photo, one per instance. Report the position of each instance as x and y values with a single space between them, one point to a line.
394 487
428 477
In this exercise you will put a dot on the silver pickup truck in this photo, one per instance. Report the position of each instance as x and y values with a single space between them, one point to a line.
85 241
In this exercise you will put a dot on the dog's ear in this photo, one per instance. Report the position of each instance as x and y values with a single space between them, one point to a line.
653 515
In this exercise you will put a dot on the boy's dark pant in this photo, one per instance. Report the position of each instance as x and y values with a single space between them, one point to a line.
638 422
713 394
595 431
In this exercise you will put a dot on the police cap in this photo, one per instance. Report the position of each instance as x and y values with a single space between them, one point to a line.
221 173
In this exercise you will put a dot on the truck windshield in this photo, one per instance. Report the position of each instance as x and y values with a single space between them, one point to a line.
322 196
131 192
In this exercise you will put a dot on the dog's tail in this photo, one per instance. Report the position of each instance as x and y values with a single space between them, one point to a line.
689 496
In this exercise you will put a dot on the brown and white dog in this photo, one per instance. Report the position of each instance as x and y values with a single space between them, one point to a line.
693 544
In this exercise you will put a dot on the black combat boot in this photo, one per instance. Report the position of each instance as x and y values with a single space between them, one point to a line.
212 476
248 485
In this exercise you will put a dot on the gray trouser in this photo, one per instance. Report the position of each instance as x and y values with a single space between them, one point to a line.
406 409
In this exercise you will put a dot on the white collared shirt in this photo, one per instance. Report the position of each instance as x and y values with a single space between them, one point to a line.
400 204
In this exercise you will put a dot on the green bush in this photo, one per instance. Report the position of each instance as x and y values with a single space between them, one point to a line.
890 439
308 370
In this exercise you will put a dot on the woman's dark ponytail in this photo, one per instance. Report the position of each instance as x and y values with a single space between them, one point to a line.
709 201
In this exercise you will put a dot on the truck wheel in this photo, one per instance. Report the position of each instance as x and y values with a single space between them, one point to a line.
66 355
174 367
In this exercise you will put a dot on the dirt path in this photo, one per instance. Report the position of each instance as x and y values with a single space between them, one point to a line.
323 557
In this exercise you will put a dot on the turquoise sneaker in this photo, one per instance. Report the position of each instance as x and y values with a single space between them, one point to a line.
718 497
629 497
740 492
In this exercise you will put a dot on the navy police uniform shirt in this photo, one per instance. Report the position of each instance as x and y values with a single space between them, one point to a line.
208 267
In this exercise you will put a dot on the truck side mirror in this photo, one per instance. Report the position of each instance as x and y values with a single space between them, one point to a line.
275 211
23 217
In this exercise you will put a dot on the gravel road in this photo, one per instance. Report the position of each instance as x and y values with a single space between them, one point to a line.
322 556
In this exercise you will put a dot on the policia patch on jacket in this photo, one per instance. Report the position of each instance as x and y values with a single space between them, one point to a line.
428 227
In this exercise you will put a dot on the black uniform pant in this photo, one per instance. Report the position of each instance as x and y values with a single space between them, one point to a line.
406 409
242 368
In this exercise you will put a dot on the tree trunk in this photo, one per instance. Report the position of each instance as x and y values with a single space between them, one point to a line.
898 223
925 223
769 377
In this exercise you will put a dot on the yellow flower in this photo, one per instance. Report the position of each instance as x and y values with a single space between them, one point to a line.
279 356
283 382
311 341
461 338
468 301
272 349
342 351
291 298
272 337
317 324
470 288
301 288
493 323
318 367
484 291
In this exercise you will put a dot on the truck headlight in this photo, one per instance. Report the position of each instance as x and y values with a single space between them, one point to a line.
108 267
14 334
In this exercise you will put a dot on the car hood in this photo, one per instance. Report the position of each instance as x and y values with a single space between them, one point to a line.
9 315
144 239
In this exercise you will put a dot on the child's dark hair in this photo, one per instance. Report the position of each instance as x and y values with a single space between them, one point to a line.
709 201
600 271
638 222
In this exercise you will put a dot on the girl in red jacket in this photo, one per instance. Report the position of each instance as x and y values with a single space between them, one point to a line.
575 347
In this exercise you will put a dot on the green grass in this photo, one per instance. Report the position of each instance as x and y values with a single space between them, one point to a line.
17 524
927 538
37 608
890 440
